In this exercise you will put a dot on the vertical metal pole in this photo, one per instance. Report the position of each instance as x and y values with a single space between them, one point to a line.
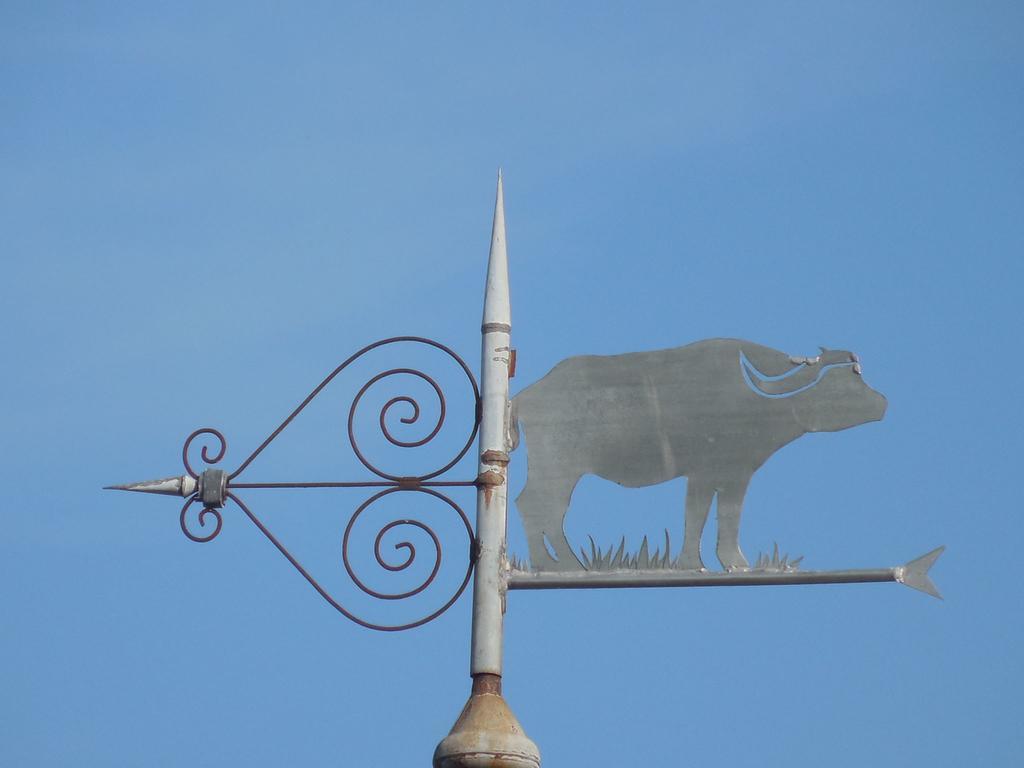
487 733
492 493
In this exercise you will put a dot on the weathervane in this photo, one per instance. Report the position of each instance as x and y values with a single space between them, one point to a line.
712 412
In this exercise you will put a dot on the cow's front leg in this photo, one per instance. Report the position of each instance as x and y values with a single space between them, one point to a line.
698 502
542 506
730 504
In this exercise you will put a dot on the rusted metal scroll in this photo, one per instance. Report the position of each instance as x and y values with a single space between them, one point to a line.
208 489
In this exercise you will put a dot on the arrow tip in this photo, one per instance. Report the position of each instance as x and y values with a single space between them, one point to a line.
915 573
167 486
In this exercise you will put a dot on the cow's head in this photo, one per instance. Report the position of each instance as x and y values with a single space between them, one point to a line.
826 392
840 399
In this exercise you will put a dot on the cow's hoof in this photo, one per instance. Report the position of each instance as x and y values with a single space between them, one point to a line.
689 564
733 562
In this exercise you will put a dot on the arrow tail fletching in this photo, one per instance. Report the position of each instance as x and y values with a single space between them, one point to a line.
915 573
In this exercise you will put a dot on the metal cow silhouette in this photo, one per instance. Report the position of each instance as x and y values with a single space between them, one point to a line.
713 411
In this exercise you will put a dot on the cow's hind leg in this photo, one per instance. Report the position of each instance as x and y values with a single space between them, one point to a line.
730 504
698 502
542 507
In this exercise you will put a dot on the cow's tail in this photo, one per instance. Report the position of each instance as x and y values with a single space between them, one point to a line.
513 425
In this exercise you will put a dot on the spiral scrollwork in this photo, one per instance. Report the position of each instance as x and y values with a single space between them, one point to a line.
409 559
411 419
203 514
206 511
404 555
205 452
405 419
386 410
409 547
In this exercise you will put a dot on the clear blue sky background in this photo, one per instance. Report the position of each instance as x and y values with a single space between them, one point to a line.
204 207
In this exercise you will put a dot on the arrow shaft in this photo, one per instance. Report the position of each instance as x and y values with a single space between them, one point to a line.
411 483
627 579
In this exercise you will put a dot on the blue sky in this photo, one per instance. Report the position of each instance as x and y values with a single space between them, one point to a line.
205 208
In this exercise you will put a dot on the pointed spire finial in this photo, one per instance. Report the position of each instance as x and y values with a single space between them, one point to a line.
497 304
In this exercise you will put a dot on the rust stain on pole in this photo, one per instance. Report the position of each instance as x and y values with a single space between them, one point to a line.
494 457
488 480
